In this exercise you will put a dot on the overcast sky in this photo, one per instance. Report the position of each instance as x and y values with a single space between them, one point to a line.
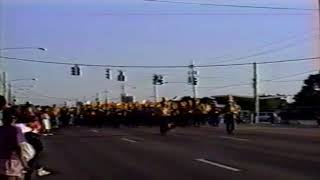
137 32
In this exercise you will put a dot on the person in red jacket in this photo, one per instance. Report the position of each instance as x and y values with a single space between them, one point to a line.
34 138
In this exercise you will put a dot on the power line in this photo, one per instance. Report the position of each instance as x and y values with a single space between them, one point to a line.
294 43
154 67
262 47
227 86
36 93
210 77
198 14
265 62
264 52
290 76
90 65
289 60
275 80
247 84
38 97
234 5
295 80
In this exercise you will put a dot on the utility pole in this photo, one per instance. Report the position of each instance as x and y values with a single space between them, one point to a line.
319 29
9 93
155 93
123 91
4 84
193 80
97 98
256 93
106 99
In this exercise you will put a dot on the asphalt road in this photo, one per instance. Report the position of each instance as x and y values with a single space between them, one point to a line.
185 153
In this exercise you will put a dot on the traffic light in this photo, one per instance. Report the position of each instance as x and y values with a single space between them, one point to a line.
121 76
160 79
190 80
155 79
75 70
195 81
78 71
108 74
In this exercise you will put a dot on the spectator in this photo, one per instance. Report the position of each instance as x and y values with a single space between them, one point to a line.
54 112
2 105
318 119
33 138
46 122
12 164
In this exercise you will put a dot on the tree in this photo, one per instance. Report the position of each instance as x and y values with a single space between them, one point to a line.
186 98
310 92
246 103
273 103
207 100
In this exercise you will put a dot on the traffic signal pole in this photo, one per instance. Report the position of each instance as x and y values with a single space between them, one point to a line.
157 80
106 98
97 98
123 89
122 78
256 94
9 93
155 91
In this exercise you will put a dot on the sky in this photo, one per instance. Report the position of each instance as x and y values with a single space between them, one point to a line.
137 32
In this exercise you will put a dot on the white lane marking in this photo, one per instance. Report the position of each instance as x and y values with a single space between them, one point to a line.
218 165
128 140
234 138
138 138
95 131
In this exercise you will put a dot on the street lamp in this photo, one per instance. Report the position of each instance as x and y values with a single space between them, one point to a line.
15 48
21 89
25 79
15 80
24 86
21 48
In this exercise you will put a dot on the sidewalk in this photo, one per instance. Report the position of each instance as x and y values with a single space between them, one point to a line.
295 124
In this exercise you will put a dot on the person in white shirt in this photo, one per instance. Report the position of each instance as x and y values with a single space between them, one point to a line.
45 118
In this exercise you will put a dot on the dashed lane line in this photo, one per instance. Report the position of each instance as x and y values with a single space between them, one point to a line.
129 140
94 130
218 165
234 138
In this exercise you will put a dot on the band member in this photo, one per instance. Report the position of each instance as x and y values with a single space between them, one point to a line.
231 112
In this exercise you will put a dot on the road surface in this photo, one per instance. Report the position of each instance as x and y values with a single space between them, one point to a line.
205 153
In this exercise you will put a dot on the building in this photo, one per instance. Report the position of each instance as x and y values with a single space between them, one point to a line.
127 99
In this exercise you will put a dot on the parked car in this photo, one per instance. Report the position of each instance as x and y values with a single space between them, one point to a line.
270 117
245 116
